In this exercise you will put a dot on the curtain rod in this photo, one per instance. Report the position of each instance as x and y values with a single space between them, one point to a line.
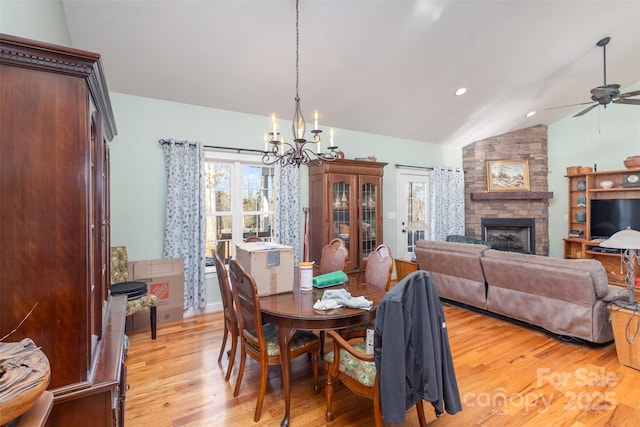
217 147
429 168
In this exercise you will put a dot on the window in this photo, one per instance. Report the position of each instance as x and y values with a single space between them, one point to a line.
239 202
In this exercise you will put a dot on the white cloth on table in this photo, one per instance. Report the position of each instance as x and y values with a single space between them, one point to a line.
336 298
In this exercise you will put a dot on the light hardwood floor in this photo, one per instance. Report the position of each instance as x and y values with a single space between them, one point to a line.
508 375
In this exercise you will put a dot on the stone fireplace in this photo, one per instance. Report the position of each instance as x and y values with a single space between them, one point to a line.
510 234
528 144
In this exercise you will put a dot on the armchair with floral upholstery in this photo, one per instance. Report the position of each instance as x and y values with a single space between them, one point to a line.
138 296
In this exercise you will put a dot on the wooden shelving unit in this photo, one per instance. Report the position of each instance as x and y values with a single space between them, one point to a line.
583 189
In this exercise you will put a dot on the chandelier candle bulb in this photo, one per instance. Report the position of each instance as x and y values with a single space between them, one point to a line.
300 130
274 126
266 140
315 120
331 136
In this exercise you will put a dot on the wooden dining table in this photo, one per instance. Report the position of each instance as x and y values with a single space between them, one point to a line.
293 311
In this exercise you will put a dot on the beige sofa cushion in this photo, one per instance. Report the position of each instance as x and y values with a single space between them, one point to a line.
574 280
561 295
455 269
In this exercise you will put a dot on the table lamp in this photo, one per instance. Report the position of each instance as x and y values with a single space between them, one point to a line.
415 227
418 225
629 241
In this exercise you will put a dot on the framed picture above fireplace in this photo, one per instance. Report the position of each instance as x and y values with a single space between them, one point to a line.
508 175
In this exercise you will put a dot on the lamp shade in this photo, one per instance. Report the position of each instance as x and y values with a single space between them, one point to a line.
417 226
625 239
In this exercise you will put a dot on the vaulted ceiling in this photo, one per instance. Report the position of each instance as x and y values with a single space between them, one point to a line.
388 67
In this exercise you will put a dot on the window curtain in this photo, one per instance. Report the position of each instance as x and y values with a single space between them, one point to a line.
446 192
286 221
184 230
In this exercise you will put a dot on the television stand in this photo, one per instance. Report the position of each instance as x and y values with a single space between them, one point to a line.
583 189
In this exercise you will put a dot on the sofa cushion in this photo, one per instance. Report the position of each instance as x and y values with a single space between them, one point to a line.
455 269
574 280
561 295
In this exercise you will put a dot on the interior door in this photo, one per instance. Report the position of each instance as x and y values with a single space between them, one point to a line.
413 210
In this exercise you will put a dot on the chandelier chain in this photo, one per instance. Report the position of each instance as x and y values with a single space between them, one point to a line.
297 153
297 51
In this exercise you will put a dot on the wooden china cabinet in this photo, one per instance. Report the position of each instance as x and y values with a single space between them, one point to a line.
345 200
55 124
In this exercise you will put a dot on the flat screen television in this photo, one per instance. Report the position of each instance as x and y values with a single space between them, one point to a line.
610 216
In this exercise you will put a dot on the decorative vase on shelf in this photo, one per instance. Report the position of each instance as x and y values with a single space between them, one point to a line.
344 204
582 185
336 202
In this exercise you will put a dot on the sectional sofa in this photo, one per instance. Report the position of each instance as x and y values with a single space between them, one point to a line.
565 297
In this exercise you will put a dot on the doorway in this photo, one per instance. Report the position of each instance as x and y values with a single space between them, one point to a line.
413 210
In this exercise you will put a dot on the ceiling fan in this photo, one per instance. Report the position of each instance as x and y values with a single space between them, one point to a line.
607 93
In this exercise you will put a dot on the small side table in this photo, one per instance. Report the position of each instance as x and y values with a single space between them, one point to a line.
404 267
624 322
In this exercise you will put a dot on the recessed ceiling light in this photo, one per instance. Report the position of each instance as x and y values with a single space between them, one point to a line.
530 114
461 91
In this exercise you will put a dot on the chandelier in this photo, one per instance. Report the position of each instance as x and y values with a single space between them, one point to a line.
301 151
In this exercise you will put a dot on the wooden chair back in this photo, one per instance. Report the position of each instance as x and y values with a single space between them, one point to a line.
230 317
253 239
379 267
333 256
245 296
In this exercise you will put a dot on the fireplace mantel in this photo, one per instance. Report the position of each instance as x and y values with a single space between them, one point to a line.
512 195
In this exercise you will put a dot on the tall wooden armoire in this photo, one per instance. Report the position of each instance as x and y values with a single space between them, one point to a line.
55 124
345 201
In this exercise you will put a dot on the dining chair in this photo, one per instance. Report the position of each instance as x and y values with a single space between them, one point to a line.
259 340
230 317
253 238
333 256
356 369
379 267
138 296
377 272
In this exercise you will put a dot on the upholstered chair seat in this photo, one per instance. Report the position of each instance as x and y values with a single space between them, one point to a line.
360 370
138 296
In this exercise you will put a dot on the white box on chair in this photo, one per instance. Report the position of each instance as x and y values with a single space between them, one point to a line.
270 265
164 279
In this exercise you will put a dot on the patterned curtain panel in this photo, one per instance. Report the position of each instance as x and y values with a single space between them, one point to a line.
446 194
286 221
184 233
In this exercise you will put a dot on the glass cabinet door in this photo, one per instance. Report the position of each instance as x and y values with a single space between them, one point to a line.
343 217
370 205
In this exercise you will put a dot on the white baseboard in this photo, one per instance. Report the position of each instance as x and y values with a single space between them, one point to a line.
212 307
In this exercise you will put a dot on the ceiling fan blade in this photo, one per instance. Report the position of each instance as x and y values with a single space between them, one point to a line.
628 94
570 105
627 101
586 110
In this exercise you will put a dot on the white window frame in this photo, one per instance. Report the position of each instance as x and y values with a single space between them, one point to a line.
236 162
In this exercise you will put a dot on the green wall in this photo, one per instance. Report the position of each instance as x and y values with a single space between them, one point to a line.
42 20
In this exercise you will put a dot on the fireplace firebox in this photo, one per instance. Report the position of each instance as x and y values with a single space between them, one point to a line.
510 234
